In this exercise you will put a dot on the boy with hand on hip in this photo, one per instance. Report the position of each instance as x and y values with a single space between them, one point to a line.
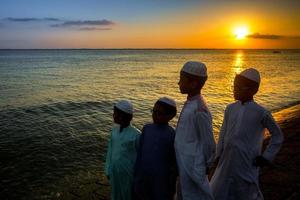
194 141
155 170
122 151
240 141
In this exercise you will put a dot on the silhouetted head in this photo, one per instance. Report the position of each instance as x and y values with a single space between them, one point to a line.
246 85
123 113
164 110
193 76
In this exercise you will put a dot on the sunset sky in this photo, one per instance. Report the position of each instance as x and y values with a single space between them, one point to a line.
149 24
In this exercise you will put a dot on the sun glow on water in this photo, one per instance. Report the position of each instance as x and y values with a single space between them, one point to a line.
237 67
238 62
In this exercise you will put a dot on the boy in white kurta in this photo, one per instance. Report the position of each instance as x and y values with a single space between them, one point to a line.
194 141
239 147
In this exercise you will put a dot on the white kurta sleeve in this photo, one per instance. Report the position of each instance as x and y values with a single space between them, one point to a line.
276 136
205 134
220 144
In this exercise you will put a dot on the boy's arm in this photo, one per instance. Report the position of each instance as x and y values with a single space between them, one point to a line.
174 168
173 157
220 144
276 137
108 157
205 133
138 141
138 145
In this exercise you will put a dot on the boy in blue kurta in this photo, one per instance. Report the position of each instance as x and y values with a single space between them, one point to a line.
155 170
122 151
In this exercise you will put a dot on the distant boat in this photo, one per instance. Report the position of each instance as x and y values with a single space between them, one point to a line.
276 51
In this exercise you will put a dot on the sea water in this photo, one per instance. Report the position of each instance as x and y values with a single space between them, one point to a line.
56 105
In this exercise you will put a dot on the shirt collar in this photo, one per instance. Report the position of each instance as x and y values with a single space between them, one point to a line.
246 103
198 96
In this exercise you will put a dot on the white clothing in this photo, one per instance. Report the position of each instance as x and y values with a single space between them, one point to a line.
195 148
240 142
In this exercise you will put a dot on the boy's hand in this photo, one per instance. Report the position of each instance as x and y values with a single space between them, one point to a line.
260 161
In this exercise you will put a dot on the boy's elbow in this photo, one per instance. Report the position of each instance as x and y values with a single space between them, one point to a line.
277 137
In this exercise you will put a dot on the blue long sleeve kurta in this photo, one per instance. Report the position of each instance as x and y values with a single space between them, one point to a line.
120 161
155 174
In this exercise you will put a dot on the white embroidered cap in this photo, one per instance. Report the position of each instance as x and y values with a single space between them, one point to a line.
125 105
168 101
251 74
195 68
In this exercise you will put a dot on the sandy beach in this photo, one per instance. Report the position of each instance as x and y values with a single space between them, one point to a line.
282 179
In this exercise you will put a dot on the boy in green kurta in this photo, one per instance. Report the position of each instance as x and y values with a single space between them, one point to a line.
122 151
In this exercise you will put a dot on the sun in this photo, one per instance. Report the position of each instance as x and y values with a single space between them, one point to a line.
241 32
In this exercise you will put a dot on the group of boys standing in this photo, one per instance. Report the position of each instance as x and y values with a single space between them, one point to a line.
146 166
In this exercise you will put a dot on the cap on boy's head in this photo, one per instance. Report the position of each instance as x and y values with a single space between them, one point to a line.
168 101
251 74
195 68
125 106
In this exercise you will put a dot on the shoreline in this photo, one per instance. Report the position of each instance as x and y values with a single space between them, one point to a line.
282 179
284 108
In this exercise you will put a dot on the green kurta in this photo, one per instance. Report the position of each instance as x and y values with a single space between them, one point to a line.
120 160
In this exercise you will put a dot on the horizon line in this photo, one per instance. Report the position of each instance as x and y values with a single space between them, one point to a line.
150 48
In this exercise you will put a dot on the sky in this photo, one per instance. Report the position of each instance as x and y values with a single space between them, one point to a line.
221 24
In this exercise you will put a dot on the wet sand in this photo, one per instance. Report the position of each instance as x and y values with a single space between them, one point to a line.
282 179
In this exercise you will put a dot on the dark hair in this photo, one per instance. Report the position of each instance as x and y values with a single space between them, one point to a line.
170 110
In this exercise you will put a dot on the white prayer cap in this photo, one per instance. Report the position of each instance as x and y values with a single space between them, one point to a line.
251 74
125 105
168 101
195 68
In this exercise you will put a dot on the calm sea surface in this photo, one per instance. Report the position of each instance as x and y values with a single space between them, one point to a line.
56 105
